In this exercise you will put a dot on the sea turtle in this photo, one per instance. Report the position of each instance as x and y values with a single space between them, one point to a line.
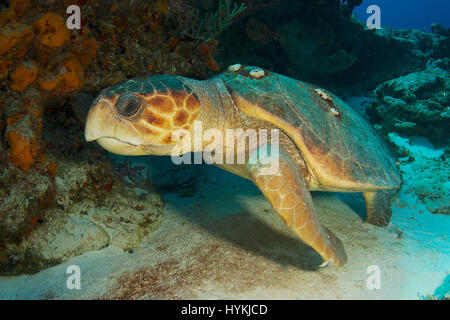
323 143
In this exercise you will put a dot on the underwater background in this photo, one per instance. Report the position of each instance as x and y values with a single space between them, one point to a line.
404 14
144 228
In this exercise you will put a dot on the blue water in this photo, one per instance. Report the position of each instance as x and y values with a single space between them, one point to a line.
408 14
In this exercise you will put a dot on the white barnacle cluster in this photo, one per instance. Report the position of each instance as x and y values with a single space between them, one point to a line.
257 73
234 67
322 94
335 111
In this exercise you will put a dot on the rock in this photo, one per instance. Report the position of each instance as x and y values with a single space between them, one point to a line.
415 104
80 104
428 175
440 29
68 203
59 239
304 46
91 210
23 197
317 43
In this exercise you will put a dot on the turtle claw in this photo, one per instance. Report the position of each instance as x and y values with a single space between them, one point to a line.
324 264
337 252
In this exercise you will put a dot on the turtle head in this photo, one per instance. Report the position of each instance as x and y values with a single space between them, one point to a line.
139 117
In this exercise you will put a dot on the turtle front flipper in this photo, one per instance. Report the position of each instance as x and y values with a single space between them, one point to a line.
288 194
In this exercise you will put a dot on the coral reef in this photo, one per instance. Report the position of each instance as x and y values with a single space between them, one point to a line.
71 202
214 23
427 168
58 197
320 42
51 30
39 51
415 104
315 48
24 125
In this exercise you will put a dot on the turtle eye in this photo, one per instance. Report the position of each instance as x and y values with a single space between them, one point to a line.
128 105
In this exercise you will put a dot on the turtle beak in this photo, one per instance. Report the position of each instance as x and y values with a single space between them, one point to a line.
95 127
112 133
118 147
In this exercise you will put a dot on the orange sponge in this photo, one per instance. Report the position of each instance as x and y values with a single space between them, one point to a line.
69 78
49 83
72 74
52 30
23 150
24 74
24 129
84 48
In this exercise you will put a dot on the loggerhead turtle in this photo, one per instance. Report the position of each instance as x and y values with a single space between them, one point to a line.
323 143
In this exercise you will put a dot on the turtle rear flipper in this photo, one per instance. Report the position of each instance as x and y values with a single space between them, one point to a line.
378 204
290 198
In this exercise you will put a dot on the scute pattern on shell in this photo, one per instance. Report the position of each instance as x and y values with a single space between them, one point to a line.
341 147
